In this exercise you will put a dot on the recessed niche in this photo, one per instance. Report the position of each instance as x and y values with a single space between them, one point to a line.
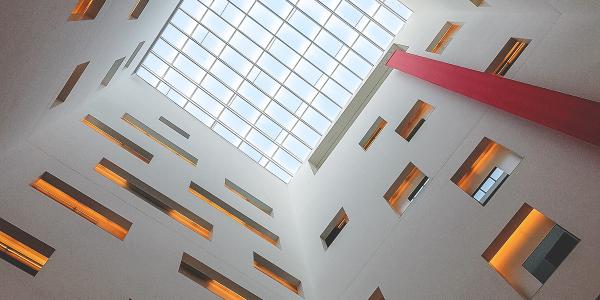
117 138
22 250
112 71
248 197
443 38
70 84
507 56
334 228
529 249
174 127
86 10
212 280
377 295
414 120
134 54
82 205
479 3
277 274
138 9
485 170
372 133
405 188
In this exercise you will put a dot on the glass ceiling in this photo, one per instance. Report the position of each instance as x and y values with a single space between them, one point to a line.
270 76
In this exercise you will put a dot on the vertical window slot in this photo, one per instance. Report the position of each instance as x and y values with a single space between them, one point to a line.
334 228
174 127
443 38
153 197
117 138
86 10
82 205
112 71
233 213
70 84
277 274
507 56
213 280
405 188
134 54
414 120
529 246
22 250
484 171
372 133
248 197
155 136
377 295
138 9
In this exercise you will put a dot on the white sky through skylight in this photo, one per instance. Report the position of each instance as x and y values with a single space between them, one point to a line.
270 76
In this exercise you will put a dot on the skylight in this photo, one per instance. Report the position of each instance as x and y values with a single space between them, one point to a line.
270 76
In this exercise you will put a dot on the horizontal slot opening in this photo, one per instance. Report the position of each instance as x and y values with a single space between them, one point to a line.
528 250
155 136
234 214
213 280
70 84
276 273
134 54
334 228
117 138
372 133
443 38
507 56
414 120
138 9
82 205
248 197
377 295
479 3
153 197
112 71
405 188
86 10
484 171
174 127
22 250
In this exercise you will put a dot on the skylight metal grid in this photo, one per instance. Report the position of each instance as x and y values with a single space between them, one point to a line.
270 76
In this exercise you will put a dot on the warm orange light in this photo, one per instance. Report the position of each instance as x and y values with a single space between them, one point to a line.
185 221
276 277
114 140
402 188
233 217
478 165
21 252
445 39
81 8
222 291
374 135
112 176
79 208
510 58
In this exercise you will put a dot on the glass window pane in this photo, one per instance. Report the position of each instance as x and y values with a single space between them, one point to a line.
268 127
287 161
198 54
227 134
199 114
148 77
277 171
173 36
184 22
261 142
207 102
245 109
255 155
306 134
281 115
316 120
189 68
234 122
295 146
179 82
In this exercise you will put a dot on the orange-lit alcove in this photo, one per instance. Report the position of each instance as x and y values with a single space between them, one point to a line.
86 10
405 188
414 120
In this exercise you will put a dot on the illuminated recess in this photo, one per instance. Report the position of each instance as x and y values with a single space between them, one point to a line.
117 138
372 133
174 127
414 120
277 274
153 197
443 38
82 205
507 56
22 250
334 228
405 188
86 10
377 295
213 280
528 250
70 84
248 197
138 9
485 170
233 213
155 136
479 3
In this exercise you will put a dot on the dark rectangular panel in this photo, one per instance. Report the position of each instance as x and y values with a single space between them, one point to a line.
550 253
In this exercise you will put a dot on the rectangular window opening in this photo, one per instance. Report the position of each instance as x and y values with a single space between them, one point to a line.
507 56
112 71
153 197
485 170
405 188
138 9
82 205
377 295
174 127
233 213
414 120
479 3
443 38
248 197
528 250
86 10
372 133
334 228
134 54
213 280
117 138
155 136
277 274
22 250
70 84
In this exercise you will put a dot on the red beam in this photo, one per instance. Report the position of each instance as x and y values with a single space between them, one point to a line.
572 115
